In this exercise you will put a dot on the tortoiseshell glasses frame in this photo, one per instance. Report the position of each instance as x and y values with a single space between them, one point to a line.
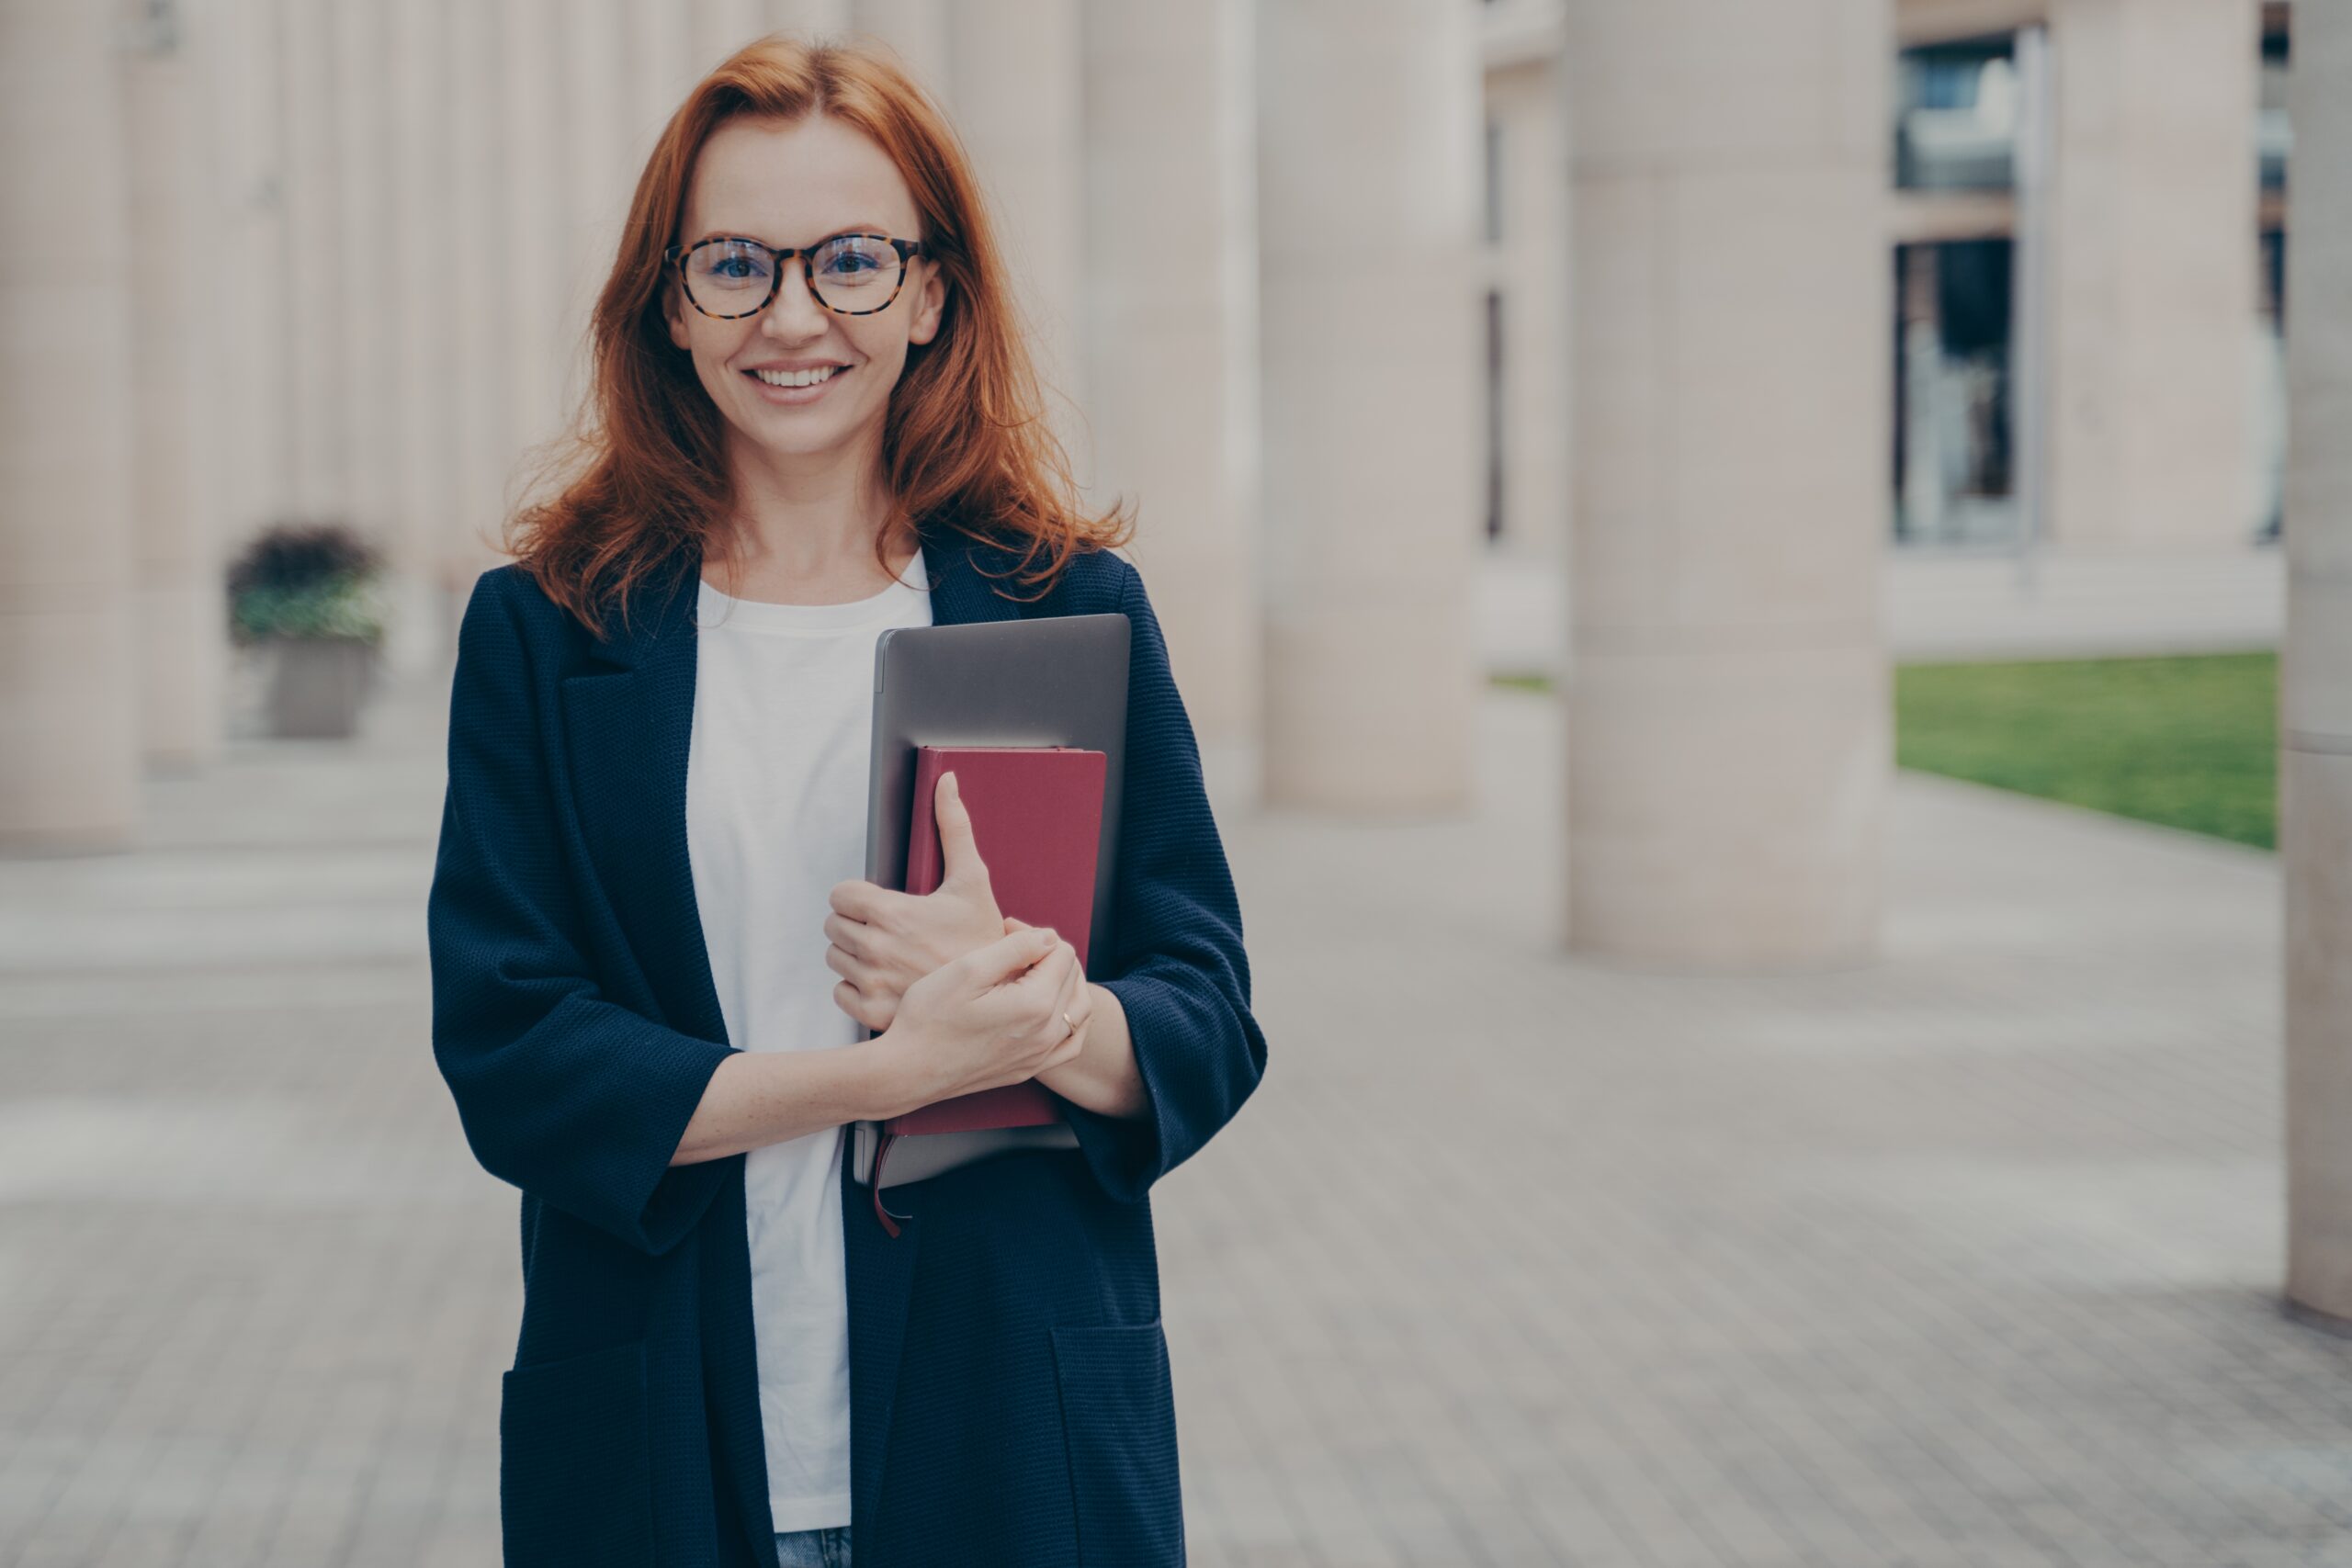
679 256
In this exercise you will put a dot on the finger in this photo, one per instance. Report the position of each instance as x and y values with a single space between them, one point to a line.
1008 955
959 852
860 901
1050 977
856 970
866 1011
853 937
1012 925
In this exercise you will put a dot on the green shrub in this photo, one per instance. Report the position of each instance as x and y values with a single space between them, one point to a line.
313 580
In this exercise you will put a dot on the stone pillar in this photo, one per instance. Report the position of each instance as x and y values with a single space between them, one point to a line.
1369 119
2153 254
596 149
423 246
365 295
722 27
182 645
915 30
1727 704
811 19
69 727
662 66
1014 65
321 311
247 414
1172 287
2315 706
534 200
1528 244
482 401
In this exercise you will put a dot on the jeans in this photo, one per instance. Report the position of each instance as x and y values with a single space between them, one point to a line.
813 1549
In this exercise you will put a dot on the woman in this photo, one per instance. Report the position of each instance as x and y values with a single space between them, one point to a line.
654 967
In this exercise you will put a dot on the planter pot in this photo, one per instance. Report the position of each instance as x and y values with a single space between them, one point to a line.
317 687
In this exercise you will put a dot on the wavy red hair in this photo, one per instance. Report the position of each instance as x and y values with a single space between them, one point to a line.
642 474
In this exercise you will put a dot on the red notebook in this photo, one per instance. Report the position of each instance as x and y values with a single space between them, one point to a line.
1038 822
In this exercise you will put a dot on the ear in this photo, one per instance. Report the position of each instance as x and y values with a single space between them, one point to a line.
931 303
674 312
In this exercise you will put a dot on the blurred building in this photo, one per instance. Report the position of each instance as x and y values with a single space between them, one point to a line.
1343 293
2086 230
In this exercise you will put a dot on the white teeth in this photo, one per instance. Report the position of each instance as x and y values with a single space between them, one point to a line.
796 377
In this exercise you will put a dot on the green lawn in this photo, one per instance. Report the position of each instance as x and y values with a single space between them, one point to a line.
2189 741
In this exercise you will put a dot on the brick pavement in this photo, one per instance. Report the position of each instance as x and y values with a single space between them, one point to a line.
1966 1257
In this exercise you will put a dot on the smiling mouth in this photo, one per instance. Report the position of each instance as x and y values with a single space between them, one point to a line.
795 378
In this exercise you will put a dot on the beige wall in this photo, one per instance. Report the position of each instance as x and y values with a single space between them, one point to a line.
2153 280
1529 266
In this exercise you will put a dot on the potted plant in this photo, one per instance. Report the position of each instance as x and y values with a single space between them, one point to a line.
313 593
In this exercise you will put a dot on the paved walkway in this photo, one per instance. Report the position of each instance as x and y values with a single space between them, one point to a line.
1968 1257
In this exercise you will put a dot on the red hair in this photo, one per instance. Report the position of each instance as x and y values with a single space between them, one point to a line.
642 472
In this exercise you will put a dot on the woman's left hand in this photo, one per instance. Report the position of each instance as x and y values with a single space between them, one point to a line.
884 941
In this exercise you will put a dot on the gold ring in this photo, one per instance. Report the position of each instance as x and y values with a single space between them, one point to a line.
1073 1028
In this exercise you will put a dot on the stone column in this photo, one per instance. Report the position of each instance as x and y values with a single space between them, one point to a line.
916 30
1527 245
2153 254
424 248
482 399
815 18
1369 119
596 148
662 66
1014 65
1727 703
1171 289
722 27
246 414
69 727
320 310
365 294
535 202
2315 706
182 647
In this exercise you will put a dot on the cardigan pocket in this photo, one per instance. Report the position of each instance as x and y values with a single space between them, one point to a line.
575 1478
1119 1423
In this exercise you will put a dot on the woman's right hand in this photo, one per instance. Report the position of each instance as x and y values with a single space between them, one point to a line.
993 1017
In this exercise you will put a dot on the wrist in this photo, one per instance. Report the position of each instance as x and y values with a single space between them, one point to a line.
891 1076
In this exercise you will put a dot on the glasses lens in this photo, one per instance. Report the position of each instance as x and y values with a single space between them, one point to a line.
856 272
727 277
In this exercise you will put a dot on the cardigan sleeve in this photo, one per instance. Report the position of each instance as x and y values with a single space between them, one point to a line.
565 1094
1178 967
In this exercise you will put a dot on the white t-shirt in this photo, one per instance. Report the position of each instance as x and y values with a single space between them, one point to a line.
775 816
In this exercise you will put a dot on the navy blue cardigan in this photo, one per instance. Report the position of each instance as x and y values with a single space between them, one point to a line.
1010 1394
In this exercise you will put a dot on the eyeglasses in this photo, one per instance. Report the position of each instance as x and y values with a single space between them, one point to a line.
727 278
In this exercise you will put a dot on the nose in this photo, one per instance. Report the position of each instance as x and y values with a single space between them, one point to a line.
794 315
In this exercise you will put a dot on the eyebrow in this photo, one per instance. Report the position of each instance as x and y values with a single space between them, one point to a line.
852 228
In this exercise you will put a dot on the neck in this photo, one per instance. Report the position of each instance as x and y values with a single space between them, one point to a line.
807 520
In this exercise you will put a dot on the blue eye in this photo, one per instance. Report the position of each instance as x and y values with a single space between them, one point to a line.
732 265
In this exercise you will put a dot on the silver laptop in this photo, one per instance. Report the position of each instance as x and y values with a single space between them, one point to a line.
1056 681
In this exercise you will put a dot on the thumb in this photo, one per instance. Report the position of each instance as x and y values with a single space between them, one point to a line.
959 852
1009 954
